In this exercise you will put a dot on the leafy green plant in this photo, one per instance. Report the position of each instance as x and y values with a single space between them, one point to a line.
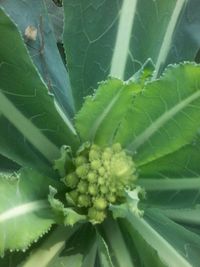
109 179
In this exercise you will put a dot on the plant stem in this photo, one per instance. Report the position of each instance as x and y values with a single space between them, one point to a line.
117 243
51 247
190 216
169 184
165 250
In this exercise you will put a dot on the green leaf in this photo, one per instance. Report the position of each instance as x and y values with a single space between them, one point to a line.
56 15
103 252
183 162
131 204
143 75
38 129
185 242
64 162
165 116
116 37
77 247
25 214
49 253
119 251
63 214
172 243
177 198
147 256
187 216
43 49
102 113
66 247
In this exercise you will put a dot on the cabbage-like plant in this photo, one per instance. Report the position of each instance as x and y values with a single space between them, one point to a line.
111 179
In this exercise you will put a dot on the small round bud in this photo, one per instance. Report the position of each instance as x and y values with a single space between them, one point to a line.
84 201
71 180
116 147
94 155
95 164
96 216
100 203
95 147
74 195
93 189
80 160
104 189
106 155
120 167
101 180
101 171
106 165
92 177
82 171
111 198
82 187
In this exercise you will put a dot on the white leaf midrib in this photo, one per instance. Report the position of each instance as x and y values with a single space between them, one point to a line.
103 115
28 129
160 121
23 209
165 250
190 216
165 46
170 184
121 48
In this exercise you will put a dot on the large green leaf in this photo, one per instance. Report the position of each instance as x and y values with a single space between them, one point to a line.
147 257
116 37
66 246
161 242
63 215
118 248
43 49
56 14
185 242
103 253
25 214
165 116
181 163
31 133
102 113
49 253
177 198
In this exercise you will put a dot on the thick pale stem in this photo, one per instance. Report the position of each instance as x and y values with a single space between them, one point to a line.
165 250
169 184
50 248
117 243
189 216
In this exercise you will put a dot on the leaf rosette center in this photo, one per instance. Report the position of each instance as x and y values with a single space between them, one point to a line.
99 178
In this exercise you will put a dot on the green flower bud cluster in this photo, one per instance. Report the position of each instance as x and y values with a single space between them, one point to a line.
100 178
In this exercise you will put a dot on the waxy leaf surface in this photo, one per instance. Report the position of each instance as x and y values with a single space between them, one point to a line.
116 37
43 49
31 133
25 214
164 117
102 113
